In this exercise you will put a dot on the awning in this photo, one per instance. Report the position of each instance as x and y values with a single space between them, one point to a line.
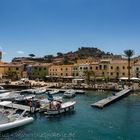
123 78
135 78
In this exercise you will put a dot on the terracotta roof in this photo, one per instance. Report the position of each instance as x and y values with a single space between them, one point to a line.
41 64
118 61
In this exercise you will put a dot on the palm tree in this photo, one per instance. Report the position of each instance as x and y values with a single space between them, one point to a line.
129 53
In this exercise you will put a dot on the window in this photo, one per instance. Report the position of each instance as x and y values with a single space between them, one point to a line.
103 73
80 68
105 67
91 68
66 74
111 67
117 68
44 68
137 69
39 69
96 68
17 68
61 74
117 74
76 74
111 73
123 67
123 73
66 69
61 69
100 67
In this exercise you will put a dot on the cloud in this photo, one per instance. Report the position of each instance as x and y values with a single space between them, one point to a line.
20 52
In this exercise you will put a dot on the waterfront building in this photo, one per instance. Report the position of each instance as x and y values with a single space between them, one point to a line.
2 69
60 70
75 70
38 70
13 71
118 68
107 69
136 70
88 60
82 69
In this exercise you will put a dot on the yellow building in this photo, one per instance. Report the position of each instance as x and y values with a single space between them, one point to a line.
2 70
136 69
88 60
14 71
60 70
118 68
111 69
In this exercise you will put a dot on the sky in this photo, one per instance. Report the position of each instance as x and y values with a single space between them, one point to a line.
45 27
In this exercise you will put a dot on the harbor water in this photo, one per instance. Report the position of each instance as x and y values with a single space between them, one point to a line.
119 121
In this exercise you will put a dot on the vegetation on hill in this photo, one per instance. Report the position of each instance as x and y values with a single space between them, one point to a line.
82 52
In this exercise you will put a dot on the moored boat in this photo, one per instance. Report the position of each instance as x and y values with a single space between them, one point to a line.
69 93
59 108
55 91
15 120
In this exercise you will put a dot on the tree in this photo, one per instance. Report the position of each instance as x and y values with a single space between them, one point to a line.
12 75
32 55
65 59
89 75
129 53
49 58
59 54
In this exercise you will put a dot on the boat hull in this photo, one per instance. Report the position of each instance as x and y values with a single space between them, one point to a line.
63 109
15 124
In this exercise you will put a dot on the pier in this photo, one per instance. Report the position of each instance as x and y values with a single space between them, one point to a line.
104 102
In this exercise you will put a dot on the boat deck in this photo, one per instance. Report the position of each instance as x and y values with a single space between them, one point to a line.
15 106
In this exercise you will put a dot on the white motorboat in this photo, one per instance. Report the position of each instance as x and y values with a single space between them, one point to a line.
1 88
4 94
4 90
69 93
55 91
59 108
33 91
80 91
9 95
39 91
14 120
24 97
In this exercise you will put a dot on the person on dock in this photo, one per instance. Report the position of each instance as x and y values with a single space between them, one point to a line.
113 93
30 105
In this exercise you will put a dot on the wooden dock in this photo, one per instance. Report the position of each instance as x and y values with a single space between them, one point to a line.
104 102
15 106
